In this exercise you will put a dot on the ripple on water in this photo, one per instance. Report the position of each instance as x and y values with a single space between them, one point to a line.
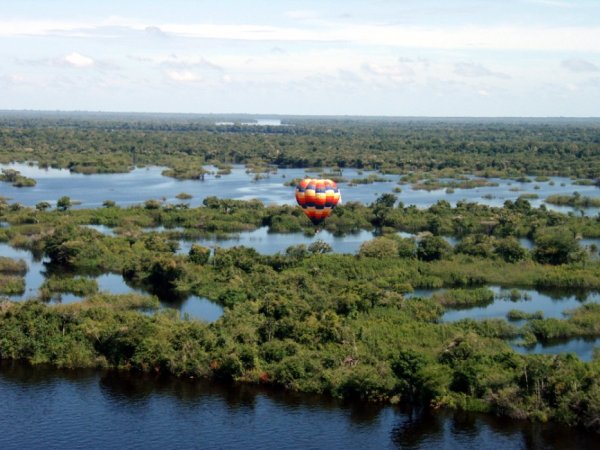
53 409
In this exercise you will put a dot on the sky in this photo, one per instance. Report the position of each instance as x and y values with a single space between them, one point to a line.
348 57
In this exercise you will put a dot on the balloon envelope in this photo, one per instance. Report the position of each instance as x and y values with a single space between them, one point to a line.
317 198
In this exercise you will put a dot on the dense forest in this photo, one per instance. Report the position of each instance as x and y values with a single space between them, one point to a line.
95 143
307 319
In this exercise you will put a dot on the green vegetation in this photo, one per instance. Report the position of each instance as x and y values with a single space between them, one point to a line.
80 286
11 273
11 285
575 200
516 315
16 179
307 319
465 298
431 185
488 148
370 179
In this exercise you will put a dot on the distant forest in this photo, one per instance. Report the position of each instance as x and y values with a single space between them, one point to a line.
114 142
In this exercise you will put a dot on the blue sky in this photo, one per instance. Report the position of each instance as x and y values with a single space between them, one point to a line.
382 57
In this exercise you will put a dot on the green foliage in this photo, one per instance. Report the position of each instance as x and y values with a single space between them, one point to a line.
557 247
199 254
380 247
432 248
510 250
516 315
80 286
461 298
42 206
63 203
311 320
16 179
11 285
575 200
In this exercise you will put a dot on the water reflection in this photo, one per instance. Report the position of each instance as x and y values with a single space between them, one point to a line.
583 348
38 268
553 305
270 243
265 242
56 409
464 430
142 184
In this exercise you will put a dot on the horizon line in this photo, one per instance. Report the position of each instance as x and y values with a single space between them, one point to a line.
205 114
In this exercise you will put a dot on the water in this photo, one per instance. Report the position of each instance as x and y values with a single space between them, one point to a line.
192 306
53 409
36 269
147 183
552 306
107 231
270 243
583 348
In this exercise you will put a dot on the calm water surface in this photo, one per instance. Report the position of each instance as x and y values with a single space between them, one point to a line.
553 304
269 243
191 306
44 408
148 183
583 348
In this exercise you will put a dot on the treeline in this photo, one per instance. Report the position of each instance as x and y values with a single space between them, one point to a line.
91 145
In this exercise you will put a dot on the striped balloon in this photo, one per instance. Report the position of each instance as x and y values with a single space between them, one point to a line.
317 198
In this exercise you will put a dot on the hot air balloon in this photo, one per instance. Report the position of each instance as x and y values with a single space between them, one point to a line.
317 198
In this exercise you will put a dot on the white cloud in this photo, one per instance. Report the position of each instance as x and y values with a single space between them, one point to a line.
184 76
398 72
155 31
475 70
579 65
77 60
14 78
494 37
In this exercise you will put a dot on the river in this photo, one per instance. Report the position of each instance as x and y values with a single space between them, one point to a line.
45 408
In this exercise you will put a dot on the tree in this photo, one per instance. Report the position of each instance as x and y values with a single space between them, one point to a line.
476 245
63 203
152 204
557 247
380 247
386 200
42 206
382 207
510 250
432 248
10 175
320 247
199 254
